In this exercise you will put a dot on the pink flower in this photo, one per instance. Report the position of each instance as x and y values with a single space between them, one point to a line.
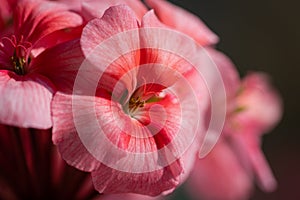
26 90
258 110
133 118
253 107
169 14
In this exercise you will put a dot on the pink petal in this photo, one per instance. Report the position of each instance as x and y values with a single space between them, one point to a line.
25 101
60 64
262 104
161 45
55 38
222 81
65 135
107 180
74 5
116 19
220 176
184 21
95 9
248 145
6 8
228 71
81 152
117 28
35 20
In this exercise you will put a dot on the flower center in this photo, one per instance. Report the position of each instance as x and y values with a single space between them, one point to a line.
17 53
146 94
135 103
19 64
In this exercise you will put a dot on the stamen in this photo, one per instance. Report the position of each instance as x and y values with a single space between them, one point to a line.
135 103
18 51
19 64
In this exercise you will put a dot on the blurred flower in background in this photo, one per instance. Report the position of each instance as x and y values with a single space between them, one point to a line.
143 73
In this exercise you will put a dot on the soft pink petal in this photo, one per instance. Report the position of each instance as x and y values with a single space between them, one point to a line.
65 135
55 38
6 8
95 9
220 175
228 71
162 45
80 151
248 145
262 106
34 20
74 5
221 79
25 101
117 28
116 19
183 21
60 64
107 180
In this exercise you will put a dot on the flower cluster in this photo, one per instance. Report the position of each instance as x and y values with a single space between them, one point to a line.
133 94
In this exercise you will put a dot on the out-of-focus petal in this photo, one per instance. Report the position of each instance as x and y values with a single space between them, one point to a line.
220 176
228 71
183 21
25 101
248 146
260 103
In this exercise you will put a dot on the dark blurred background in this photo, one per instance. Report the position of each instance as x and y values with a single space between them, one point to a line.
264 35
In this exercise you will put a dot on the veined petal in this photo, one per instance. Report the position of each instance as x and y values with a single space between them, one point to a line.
95 9
118 29
162 45
60 64
36 19
107 180
65 134
25 101
183 21
116 19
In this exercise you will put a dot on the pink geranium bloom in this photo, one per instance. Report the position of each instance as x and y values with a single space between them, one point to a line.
258 110
229 169
169 14
132 120
26 75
